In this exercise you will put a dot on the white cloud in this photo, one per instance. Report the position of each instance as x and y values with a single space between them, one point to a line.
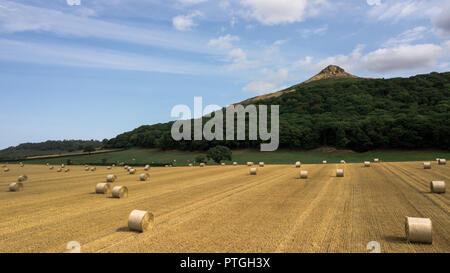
373 2
185 22
442 21
15 17
73 2
385 60
406 9
319 31
273 12
407 36
63 55
223 42
269 82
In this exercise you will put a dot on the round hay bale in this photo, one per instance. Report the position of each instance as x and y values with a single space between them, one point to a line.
21 165
442 161
132 171
86 169
108 168
366 163
113 165
342 161
140 220
6 170
261 164
303 174
120 192
59 170
144 176
15 186
418 230
111 178
222 164
51 167
202 164
427 165
249 164
22 178
102 188
147 167
67 170
376 160
298 164
437 186
62 166
252 171
93 169
126 167
190 165
340 173
235 163
324 162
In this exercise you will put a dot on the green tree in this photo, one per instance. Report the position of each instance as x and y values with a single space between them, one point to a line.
88 149
200 159
219 153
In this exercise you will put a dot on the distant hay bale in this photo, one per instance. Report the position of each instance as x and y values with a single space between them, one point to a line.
113 165
437 186
190 165
102 188
376 160
3 166
418 230
22 178
140 220
249 164
47 164
426 165
144 176
366 163
67 170
21 164
132 171
298 164
202 164
146 168
342 161
108 168
125 167
222 164
252 171
120 192
324 162
62 166
111 178
303 174
235 163
340 172
6 170
51 167
86 169
261 164
59 170
442 161
93 169
15 186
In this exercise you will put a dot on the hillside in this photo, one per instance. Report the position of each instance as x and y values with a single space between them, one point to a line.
50 147
329 72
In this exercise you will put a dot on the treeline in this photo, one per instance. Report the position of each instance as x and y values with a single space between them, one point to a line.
48 147
357 114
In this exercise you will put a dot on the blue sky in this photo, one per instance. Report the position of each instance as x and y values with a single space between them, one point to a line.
72 69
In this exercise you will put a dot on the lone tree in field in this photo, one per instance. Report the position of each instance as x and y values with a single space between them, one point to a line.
219 153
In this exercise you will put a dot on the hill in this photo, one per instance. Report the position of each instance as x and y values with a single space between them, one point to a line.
348 113
50 147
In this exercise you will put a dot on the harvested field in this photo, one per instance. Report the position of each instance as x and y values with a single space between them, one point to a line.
223 209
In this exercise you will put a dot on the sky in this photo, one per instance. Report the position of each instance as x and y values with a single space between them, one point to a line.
92 69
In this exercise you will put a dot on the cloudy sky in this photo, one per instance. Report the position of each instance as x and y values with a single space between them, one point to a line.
87 69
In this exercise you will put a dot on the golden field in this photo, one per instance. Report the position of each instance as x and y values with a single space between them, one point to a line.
224 209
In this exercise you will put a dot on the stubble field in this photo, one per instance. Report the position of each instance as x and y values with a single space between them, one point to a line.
224 209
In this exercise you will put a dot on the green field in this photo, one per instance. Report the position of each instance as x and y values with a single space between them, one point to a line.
149 156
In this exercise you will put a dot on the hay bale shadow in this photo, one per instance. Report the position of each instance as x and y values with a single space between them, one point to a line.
395 239
126 229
